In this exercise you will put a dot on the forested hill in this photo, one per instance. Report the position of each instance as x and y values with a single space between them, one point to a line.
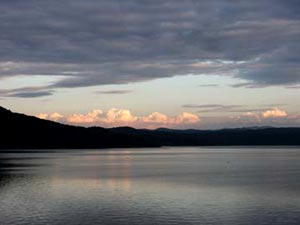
19 131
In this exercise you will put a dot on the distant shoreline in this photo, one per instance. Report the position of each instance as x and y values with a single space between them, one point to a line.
20 131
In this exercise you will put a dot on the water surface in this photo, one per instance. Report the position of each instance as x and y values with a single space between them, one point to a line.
151 186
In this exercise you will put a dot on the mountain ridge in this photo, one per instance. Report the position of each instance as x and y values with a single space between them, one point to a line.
20 131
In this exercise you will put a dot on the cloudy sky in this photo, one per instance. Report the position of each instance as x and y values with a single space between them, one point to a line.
203 64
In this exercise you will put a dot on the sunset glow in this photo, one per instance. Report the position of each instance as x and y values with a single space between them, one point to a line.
184 64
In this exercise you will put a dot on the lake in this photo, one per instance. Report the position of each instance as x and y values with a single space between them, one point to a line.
194 185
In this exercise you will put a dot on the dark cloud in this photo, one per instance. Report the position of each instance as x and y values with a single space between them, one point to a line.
246 85
30 94
221 108
210 106
208 85
114 92
27 92
293 87
114 42
244 121
277 104
217 108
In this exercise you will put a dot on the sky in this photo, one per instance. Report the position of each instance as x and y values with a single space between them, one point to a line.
202 64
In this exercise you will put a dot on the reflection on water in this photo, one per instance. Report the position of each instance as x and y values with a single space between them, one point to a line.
151 186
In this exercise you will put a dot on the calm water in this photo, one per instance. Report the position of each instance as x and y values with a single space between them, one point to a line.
151 186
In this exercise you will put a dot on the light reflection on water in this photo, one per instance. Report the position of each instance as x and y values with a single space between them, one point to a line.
151 186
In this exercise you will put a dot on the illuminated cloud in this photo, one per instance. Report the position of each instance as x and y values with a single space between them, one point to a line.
97 116
156 117
90 117
186 118
246 119
42 116
159 118
119 116
55 116
251 117
270 117
123 117
273 113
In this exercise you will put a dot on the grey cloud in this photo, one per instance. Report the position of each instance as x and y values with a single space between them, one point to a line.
221 122
277 104
115 42
113 92
24 89
209 106
201 106
245 84
30 94
26 92
293 87
221 108
250 85
214 108
208 85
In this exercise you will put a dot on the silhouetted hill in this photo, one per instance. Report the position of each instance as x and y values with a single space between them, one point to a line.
19 131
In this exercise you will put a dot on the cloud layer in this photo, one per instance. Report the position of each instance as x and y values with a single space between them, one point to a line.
229 108
116 42
123 117
114 92
274 113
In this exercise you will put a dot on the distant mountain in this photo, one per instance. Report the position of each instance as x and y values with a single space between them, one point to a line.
19 131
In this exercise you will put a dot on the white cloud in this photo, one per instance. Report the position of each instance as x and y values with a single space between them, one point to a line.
119 116
42 116
270 117
183 118
273 113
155 117
186 118
123 117
55 116
90 117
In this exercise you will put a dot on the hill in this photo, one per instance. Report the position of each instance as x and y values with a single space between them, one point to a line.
19 131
